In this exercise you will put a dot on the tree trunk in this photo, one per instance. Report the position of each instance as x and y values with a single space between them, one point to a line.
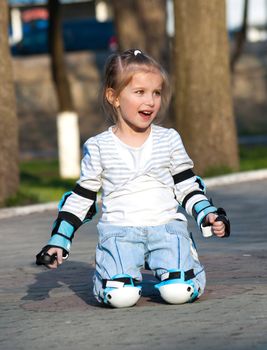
240 39
58 66
67 119
9 171
142 24
203 102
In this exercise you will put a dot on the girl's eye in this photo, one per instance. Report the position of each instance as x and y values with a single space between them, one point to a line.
139 92
158 93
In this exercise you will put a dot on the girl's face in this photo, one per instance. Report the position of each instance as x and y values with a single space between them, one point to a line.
139 102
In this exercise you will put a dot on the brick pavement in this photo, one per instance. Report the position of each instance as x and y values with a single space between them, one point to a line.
42 309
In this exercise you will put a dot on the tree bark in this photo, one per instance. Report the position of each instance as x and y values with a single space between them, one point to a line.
240 38
58 65
9 170
203 101
67 118
142 24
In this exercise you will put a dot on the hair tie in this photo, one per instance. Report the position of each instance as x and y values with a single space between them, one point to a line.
137 52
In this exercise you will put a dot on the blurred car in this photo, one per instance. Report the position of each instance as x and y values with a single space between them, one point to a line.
78 35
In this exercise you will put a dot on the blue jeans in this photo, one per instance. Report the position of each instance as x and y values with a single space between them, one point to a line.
125 249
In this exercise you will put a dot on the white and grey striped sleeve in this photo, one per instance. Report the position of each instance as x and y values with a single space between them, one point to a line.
83 197
91 168
189 188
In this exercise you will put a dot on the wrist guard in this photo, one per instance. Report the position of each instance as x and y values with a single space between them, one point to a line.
66 224
201 209
222 216
206 227
43 258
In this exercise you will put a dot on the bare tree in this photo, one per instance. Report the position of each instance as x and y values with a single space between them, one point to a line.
9 171
142 24
67 119
203 101
240 38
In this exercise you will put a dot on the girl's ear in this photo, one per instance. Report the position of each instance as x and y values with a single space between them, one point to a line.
111 97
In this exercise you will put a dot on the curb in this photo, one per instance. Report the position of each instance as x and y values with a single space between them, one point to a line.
210 183
230 179
27 209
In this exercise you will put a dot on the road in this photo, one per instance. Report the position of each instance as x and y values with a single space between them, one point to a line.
43 309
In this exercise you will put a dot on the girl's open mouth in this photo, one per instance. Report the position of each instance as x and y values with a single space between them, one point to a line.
145 114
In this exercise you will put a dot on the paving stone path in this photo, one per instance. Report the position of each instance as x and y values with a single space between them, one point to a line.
43 309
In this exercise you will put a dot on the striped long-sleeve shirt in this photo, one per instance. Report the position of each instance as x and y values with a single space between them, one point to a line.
140 187
149 194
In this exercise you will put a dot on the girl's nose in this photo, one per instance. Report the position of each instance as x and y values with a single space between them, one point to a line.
150 100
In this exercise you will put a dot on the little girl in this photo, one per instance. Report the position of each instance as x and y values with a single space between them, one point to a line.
145 176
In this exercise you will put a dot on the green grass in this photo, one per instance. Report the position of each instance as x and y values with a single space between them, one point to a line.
40 181
253 157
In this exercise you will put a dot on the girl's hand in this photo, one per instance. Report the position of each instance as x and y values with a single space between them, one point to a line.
218 227
58 252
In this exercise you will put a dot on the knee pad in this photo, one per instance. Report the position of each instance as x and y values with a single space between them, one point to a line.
120 291
177 287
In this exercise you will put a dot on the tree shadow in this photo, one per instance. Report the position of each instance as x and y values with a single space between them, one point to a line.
75 277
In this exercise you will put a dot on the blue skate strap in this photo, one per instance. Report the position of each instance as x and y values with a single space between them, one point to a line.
124 278
178 274
186 275
201 209
62 235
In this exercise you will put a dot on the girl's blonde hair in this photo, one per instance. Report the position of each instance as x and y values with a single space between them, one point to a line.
119 71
